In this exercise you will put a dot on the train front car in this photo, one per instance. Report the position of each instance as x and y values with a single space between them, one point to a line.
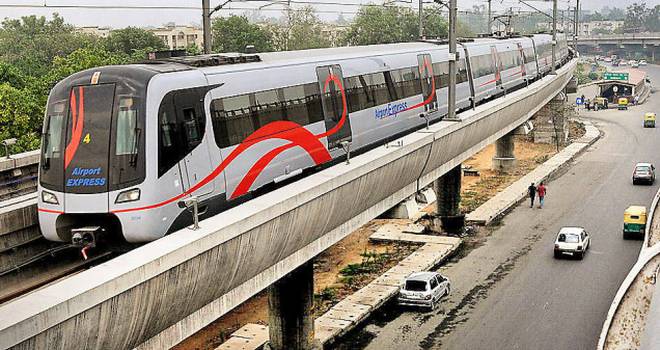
93 152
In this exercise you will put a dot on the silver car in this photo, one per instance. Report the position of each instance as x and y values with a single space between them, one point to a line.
424 289
644 172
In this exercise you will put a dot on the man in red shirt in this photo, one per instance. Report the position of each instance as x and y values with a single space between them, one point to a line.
541 191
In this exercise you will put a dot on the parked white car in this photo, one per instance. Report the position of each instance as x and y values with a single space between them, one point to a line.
573 241
642 62
424 289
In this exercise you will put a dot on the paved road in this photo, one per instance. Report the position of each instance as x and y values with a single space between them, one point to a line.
509 292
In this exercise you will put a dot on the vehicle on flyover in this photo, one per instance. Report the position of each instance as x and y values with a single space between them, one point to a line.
643 173
634 221
130 148
649 120
573 241
423 289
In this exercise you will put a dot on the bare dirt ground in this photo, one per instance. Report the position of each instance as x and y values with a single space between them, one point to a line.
361 261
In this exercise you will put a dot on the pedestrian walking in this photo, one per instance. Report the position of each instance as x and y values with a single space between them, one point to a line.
542 190
531 191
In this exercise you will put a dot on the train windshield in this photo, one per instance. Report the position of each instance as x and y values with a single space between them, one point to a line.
91 140
88 139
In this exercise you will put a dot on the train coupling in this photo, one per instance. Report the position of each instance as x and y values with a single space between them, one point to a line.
85 238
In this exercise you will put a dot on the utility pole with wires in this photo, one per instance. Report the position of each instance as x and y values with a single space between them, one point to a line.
490 24
207 12
576 22
421 20
554 36
206 24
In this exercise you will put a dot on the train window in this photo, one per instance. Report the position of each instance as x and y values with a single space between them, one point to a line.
267 107
168 144
53 131
441 74
378 89
232 115
462 73
390 86
313 102
294 104
482 66
529 54
127 128
406 82
192 127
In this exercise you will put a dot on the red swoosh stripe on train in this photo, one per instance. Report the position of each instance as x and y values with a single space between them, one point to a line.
293 132
78 121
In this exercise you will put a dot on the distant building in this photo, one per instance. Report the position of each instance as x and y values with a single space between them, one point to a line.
180 37
102 32
598 27
174 36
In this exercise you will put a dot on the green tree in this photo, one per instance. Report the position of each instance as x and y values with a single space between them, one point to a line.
382 25
392 24
82 59
18 109
635 17
11 75
132 40
299 29
234 33
31 43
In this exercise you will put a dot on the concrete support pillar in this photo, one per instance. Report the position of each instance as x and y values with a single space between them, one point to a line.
448 191
504 159
290 302
551 122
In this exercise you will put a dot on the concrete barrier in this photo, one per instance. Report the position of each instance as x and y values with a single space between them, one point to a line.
158 294
18 174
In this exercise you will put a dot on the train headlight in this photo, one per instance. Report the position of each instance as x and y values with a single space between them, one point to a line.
128 196
49 198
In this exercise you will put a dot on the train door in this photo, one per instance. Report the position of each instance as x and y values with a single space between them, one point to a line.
498 66
87 149
521 57
426 78
335 108
196 165
468 66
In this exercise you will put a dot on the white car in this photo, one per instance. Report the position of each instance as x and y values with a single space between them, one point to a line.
623 63
634 64
573 241
642 62
424 289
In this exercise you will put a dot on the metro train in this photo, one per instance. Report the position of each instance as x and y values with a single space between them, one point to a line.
126 147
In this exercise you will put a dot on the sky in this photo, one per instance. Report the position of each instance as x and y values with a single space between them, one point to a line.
189 11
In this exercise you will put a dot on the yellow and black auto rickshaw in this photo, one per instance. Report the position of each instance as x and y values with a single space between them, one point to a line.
623 103
649 120
634 221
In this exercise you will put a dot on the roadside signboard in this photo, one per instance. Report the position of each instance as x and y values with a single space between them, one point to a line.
615 76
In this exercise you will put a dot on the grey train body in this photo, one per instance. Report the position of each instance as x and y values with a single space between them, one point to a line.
125 145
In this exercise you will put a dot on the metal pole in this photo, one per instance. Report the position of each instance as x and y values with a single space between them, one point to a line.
421 23
577 23
490 24
206 23
554 36
451 96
